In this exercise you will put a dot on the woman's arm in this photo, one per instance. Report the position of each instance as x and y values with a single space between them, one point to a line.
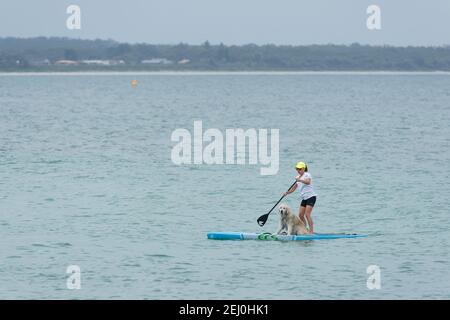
291 190
305 181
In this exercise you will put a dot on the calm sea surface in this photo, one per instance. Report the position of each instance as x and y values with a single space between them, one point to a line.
86 179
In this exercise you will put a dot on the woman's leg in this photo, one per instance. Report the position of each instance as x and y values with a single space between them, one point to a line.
308 212
301 214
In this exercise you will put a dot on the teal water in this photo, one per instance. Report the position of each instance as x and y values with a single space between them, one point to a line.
86 179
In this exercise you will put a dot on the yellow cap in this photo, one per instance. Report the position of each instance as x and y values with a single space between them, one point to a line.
300 165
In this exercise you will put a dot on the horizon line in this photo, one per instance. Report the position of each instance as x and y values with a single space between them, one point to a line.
227 45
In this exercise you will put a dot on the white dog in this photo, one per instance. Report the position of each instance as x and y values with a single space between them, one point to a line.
289 222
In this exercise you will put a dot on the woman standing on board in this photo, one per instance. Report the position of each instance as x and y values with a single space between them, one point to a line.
307 194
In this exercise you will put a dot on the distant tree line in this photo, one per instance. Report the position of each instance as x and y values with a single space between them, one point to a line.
41 54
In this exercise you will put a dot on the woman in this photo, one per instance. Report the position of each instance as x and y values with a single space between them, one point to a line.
307 194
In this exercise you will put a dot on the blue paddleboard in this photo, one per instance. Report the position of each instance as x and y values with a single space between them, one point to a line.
269 236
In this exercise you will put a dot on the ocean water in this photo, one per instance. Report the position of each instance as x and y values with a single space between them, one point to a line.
87 179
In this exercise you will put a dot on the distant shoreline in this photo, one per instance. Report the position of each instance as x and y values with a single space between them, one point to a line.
207 73
75 55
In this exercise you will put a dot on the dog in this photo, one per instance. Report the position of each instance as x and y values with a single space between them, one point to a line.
290 223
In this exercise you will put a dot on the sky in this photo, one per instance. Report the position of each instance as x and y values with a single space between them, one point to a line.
233 22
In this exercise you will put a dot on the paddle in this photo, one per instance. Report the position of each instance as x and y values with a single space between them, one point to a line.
262 220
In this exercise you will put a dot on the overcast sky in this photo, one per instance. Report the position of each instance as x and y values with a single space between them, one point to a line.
403 22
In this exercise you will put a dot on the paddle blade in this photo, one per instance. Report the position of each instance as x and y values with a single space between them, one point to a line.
262 220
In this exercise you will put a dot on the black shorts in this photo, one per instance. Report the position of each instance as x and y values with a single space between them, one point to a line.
308 202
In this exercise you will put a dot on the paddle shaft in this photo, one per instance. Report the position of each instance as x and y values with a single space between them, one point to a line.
262 220
281 198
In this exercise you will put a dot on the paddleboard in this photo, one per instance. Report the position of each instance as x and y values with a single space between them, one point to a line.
271 236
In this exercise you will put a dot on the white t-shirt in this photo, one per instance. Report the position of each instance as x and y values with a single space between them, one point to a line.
306 190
